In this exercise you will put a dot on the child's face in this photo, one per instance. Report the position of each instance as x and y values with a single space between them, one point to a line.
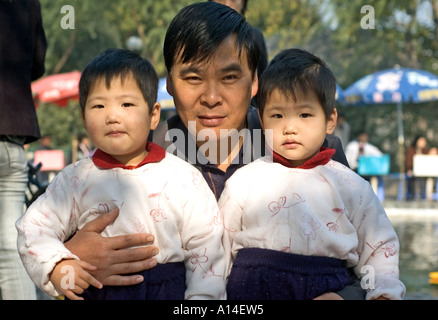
118 121
299 128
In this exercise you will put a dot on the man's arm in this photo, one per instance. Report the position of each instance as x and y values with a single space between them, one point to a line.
114 257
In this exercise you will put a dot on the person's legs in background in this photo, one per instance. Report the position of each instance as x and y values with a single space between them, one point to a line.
15 283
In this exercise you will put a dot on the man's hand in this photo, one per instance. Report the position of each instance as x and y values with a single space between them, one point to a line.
113 256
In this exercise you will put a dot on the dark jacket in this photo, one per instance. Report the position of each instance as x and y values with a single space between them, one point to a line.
22 54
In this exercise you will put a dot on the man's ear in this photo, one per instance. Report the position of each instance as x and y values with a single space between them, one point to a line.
331 121
169 86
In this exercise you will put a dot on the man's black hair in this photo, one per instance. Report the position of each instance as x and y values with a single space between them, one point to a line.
199 29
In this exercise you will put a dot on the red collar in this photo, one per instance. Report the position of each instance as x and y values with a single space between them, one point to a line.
105 161
323 157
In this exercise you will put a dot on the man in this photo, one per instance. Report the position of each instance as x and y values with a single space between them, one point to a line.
211 59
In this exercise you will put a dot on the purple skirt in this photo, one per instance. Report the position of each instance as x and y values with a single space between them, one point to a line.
163 282
262 274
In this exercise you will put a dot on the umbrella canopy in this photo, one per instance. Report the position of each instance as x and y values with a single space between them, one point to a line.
391 86
164 98
57 88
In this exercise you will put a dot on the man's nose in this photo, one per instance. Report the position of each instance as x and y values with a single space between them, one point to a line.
211 96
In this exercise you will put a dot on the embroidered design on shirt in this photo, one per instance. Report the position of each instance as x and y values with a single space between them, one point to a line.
276 206
200 258
388 250
333 226
159 214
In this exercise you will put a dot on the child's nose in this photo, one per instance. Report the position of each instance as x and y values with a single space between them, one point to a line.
289 128
112 115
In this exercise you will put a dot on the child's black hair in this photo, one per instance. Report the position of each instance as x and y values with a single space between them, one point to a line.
294 72
113 63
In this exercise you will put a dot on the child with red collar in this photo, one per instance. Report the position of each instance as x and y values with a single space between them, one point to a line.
155 192
296 220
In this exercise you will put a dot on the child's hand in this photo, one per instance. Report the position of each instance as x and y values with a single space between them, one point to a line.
71 277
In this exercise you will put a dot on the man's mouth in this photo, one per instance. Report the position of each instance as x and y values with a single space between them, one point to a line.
211 120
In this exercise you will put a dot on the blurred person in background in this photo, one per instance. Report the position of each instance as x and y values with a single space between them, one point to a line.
22 55
433 151
82 148
416 186
360 147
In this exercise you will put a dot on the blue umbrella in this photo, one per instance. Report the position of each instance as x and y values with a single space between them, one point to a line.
397 85
393 86
164 98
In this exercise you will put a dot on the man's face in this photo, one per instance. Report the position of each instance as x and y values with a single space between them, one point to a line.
216 93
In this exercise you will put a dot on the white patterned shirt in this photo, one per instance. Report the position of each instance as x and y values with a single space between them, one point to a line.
320 209
164 196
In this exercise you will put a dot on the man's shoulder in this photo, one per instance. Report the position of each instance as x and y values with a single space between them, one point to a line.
253 119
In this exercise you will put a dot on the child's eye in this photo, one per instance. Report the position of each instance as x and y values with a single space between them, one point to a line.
305 115
127 104
277 116
98 106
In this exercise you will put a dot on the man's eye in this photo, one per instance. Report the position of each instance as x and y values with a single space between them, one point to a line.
193 79
230 77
